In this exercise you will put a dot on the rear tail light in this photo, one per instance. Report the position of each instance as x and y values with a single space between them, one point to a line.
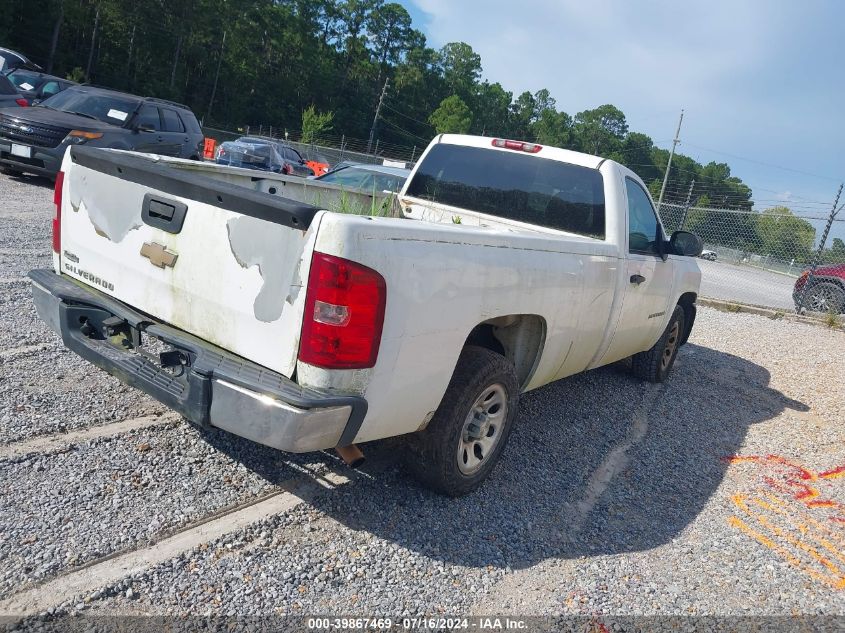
520 146
344 314
802 279
57 217
22 103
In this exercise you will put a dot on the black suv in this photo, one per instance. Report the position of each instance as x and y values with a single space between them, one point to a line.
35 139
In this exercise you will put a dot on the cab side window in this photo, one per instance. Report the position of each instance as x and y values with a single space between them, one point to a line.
643 227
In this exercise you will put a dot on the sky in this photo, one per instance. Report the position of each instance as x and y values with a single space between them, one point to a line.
760 82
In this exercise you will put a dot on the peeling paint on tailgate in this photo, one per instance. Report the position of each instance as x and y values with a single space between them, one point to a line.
257 243
235 279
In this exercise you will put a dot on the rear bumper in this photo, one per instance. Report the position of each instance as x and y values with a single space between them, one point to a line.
208 385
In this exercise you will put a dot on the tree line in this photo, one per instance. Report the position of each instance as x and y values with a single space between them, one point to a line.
239 62
325 63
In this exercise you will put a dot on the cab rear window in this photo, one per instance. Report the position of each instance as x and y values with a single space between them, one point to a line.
513 185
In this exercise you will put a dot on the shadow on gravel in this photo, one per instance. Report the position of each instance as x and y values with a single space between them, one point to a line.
545 499
31 179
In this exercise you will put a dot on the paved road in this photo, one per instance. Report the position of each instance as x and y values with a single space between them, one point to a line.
746 284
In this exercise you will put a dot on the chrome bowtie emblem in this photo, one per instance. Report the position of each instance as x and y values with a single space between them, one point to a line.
158 255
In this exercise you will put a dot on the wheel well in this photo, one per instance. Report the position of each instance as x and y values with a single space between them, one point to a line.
687 302
517 337
824 279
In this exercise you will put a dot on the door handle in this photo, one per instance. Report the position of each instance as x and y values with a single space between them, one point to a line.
637 279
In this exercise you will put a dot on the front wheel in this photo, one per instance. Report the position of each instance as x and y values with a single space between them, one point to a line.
458 449
655 364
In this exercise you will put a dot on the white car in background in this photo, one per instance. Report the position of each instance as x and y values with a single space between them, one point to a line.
708 255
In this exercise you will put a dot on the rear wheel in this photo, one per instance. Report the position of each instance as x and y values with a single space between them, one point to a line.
465 438
655 364
825 297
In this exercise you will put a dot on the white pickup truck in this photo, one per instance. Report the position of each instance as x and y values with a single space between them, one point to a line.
511 265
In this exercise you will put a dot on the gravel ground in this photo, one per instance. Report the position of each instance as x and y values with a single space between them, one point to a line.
716 493
23 327
65 508
69 397
546 535
27 207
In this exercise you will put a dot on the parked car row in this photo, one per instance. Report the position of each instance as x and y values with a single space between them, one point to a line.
35 86
41 115
266 154
367 177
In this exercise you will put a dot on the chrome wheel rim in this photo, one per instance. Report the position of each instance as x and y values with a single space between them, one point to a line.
482 429
820 302
671 345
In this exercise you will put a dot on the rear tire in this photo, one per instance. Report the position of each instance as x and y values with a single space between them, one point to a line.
825 297
655 364
460 446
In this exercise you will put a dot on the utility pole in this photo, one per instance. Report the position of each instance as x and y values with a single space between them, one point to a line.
93 41
669 164
833 213
686 206
375 118
216 77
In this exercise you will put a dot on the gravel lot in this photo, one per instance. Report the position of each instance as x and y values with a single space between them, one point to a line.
715 494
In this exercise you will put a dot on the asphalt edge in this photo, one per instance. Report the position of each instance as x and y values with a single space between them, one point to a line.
771 313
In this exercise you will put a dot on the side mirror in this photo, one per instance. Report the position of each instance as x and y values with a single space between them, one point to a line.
686 243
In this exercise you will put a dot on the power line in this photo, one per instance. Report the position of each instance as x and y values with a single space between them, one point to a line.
404 131
410 118
751 160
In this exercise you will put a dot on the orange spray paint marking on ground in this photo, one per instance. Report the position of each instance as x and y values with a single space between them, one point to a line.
794 518
836 473
793 481
832 574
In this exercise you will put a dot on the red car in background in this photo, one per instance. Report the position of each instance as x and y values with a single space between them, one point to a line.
826 292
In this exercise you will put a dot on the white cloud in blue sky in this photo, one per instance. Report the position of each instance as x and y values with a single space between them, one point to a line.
758 79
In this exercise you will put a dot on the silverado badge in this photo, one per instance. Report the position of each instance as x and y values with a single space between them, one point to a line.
158 254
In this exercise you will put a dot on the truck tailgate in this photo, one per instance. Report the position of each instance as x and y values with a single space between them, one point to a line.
219 261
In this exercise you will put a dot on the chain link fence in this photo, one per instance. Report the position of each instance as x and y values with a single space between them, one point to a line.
774 258
326 148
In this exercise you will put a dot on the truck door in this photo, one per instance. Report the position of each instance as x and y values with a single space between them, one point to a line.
648 278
